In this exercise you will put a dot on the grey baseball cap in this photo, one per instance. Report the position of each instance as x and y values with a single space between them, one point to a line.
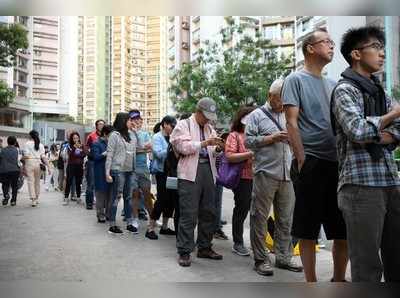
208 107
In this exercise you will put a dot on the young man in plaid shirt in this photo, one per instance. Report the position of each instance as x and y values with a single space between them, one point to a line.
367 124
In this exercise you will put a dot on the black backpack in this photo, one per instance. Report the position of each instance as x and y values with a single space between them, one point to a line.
172 160
60 160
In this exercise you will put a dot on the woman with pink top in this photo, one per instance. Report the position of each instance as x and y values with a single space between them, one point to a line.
236 152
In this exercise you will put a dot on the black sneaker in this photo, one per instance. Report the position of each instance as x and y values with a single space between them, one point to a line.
142 215
224 222
151 235
89 207
132 229
100 220
13 202
115 230
5 202
167 232
220 235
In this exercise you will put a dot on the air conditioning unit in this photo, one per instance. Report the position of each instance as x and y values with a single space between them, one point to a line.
185 45
185 25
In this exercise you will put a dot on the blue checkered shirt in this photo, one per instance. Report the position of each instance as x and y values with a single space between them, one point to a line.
353 131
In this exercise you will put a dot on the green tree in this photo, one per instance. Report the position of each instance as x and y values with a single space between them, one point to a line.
396 92
232 75
13 37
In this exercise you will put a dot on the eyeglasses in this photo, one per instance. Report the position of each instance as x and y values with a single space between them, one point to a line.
375 45
329 42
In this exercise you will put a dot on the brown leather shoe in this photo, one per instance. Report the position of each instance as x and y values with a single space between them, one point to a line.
208 253
184 260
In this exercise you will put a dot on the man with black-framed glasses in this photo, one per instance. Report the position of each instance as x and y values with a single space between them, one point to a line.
314 172
367 123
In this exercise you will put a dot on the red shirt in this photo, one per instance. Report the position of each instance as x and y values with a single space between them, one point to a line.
93 137
232 146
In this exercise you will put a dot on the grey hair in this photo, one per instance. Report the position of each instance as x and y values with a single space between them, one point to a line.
276 87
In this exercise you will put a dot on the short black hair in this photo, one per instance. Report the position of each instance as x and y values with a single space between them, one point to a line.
168 120
310 38
11 141
357 37
107 129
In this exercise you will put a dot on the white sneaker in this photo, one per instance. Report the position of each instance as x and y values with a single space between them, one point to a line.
65 202
135 223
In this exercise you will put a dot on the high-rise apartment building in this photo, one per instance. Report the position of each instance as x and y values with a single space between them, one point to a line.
280 31
94 68
17 117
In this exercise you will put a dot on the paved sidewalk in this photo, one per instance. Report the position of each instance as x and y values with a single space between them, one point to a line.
65 243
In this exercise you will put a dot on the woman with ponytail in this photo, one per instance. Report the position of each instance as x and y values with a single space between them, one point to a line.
34 155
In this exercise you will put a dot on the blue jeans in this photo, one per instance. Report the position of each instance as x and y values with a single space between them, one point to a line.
122 182
218 205
89 182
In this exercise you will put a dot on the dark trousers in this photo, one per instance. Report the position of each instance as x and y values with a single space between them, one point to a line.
89 182
8 180
242 198
176 213
373 227
165 200
74 171
197 205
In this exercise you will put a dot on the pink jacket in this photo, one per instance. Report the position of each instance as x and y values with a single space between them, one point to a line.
187 143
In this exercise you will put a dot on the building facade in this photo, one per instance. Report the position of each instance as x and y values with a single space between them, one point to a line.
94 69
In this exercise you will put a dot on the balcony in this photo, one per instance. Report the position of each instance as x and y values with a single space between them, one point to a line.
171 34
196 36
185 25
185 45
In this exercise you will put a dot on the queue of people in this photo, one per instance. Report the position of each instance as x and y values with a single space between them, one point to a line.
317 154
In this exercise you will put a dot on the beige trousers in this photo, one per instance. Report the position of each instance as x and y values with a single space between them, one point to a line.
33 172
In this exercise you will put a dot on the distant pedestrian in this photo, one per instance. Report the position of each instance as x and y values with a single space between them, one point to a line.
101 187
10 170
33 156
75 154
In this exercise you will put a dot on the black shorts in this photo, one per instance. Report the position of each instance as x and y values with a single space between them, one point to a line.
316 200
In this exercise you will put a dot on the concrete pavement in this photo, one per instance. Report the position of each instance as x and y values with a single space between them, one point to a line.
65 243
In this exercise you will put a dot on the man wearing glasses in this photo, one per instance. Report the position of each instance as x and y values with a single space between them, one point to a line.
367 123
306 97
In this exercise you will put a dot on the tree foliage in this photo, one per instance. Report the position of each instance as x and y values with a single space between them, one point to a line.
13 37
233 75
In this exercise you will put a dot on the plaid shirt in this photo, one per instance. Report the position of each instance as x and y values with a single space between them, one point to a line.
353 131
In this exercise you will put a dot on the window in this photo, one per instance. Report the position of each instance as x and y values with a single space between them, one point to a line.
37 81
272 33
60 135
37 53
22 62
287 32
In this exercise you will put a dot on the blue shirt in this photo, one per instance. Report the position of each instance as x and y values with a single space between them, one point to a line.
160 146
141 157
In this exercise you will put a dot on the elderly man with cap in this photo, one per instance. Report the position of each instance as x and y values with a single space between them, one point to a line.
197 143
267 137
